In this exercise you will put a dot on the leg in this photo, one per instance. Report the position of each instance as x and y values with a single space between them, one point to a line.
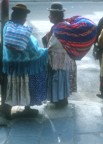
59 88
61 103
101 81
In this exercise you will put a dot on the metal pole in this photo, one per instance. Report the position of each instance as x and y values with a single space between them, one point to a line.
4 18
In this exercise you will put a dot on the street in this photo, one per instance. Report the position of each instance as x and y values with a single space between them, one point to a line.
81 121
88 67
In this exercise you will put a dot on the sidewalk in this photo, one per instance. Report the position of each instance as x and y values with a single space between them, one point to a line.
79 123
56 1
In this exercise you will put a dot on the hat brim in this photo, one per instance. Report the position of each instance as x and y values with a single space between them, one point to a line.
19 8
56 10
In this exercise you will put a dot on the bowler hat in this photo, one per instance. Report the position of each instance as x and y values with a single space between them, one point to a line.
56 6
21 7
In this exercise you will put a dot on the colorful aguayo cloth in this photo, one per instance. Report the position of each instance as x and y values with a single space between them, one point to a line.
17 36
76 34
26 71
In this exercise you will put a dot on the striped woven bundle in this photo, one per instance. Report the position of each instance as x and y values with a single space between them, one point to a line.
17 36
76 34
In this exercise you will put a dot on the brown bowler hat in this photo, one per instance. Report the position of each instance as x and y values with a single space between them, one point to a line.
21 7
56 6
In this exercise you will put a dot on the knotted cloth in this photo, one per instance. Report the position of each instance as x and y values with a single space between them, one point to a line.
17 36
76 34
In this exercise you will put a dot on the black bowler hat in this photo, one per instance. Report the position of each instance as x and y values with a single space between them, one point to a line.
56 7
21 7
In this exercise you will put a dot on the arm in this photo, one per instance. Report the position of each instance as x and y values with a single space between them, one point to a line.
100 39
46 38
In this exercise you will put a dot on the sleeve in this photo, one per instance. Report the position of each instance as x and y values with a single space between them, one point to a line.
100 39
99 28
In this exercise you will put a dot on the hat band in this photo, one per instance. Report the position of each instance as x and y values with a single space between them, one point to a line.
56 10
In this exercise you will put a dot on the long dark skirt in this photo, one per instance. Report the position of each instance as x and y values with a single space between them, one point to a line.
38 88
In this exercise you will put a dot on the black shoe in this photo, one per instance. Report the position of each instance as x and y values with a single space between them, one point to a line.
100 95
18 114
26 113
31 112
6 111
61 103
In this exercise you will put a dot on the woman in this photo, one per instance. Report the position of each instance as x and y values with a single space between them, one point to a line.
61 68
69 40
100 44
98 51
25 66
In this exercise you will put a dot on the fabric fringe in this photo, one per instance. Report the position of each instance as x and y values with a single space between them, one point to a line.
28 67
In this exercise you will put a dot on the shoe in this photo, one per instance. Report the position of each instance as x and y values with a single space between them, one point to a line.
6 111
26 113
7 116
100 96
31 112
18 114
61 103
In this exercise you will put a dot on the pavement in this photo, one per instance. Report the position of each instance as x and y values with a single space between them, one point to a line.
56 1
80 122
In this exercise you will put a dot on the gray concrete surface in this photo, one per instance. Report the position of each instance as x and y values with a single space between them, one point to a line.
81 122
56 1
78 123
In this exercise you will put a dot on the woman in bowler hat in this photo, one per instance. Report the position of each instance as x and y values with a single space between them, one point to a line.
61 67
26 70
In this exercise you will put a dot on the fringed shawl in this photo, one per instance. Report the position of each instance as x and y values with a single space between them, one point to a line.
31 61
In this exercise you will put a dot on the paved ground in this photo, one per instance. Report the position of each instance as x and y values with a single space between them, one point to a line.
78 123
56 1
81 122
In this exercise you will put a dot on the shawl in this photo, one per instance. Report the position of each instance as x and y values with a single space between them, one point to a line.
31 60
76 34
17 35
